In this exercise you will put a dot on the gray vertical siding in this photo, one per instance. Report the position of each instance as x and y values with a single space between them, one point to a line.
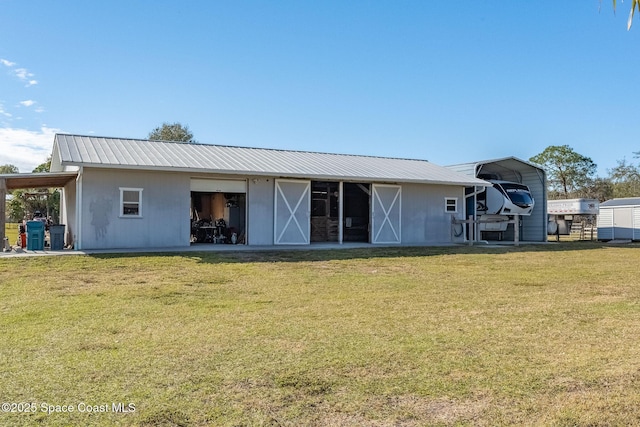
534 227
69 216
165 210
424 220
165 218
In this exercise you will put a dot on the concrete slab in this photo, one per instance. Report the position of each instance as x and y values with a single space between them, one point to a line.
210 247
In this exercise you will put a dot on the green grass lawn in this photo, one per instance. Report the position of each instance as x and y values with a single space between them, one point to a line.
11 231
534 335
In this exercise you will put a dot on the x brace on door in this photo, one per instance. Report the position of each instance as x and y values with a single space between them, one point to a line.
292 213
386 216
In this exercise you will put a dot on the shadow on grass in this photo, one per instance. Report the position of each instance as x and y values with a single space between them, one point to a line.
315 255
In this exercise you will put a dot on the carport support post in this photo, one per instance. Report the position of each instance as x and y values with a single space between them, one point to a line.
516 229
3 209
340 212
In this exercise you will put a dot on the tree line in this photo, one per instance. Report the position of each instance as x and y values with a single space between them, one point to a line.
573 175
25 202
569 175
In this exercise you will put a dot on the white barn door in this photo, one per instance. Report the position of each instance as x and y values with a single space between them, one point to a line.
385 213
623 222
292 208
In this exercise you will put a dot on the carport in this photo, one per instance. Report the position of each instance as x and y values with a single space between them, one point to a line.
533 227
18 181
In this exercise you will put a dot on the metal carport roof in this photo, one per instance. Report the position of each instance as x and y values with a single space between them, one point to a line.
28 180
37 180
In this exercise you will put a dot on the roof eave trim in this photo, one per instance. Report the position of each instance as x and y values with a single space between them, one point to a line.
464 183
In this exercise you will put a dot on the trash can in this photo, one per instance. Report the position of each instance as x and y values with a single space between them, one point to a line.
35 235
56 237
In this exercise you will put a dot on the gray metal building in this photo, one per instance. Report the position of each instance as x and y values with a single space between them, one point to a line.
131 193
619 219
533 227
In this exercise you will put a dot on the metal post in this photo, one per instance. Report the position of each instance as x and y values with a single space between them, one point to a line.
340 212
476 235
516 229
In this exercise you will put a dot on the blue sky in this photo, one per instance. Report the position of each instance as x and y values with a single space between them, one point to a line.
448 82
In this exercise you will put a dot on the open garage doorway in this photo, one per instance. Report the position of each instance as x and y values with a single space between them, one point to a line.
357 212
218 211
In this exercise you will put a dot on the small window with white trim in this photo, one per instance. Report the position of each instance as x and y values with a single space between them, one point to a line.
451 204
130 202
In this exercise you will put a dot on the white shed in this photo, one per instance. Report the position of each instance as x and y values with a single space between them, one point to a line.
619 219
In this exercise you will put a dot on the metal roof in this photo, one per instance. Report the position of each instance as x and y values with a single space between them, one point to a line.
78 150
624 201
510 161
